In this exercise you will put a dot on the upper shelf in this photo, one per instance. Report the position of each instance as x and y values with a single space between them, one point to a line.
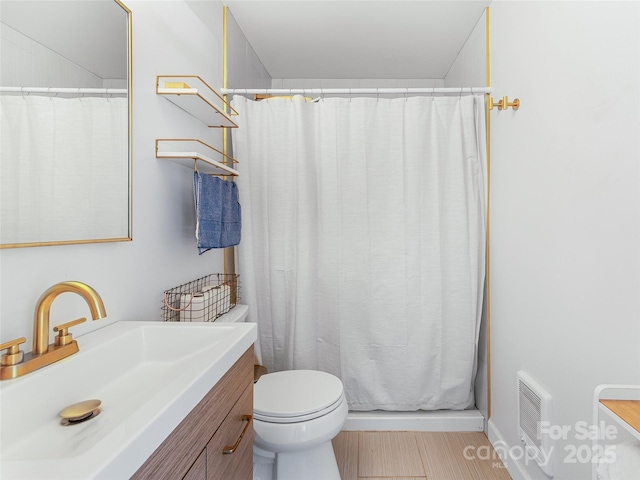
196 97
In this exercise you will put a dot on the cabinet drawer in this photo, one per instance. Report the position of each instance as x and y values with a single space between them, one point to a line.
239 464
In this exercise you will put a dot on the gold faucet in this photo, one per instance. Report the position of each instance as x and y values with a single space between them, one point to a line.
15 363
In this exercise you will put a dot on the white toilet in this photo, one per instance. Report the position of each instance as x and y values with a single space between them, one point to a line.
296 414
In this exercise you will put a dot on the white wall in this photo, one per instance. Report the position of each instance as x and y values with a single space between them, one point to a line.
27 63
470 66
244 68
169 38
565 210
357 83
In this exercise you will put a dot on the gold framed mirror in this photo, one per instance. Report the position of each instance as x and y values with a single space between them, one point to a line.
66 122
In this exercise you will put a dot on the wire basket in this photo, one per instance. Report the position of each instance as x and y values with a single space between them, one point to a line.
201 300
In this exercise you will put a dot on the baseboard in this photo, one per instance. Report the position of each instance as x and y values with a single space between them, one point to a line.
504 451
423 421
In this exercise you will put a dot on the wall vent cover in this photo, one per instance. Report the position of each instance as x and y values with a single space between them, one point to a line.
534 409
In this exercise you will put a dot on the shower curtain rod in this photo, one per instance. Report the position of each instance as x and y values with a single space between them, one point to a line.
56 90
354 91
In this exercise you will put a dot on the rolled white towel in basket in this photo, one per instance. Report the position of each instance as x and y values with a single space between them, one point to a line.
192 307
212 296
225 298
206 305
220 299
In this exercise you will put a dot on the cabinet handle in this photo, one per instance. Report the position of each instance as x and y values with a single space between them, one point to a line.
232 448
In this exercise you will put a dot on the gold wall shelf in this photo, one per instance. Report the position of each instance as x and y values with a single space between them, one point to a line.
197 155
192 94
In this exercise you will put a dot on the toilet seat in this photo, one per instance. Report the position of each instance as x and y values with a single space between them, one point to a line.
296 396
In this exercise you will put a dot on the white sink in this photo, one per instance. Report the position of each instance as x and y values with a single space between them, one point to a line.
148 376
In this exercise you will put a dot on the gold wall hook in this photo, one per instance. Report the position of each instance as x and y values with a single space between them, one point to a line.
504 104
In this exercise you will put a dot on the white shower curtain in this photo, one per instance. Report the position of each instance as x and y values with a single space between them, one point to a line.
63 161
363 243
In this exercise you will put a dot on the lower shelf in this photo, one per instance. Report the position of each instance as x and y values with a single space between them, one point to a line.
195 154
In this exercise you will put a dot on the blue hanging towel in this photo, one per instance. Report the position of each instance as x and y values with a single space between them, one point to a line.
218 213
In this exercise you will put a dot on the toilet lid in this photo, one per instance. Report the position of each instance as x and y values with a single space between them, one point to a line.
287 396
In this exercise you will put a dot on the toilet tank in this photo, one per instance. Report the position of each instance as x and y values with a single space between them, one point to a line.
236 314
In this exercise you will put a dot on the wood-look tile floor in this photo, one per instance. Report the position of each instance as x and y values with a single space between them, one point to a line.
417 456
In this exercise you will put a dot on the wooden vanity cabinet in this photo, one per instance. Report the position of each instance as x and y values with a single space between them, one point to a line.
239 464
193 451
198 470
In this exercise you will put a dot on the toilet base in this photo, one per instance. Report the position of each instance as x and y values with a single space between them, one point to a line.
263 471
263 464
318 463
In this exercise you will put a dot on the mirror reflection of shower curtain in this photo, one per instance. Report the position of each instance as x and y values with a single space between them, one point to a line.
363 250
65 168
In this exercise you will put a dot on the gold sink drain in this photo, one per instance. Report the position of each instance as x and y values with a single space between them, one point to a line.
79 412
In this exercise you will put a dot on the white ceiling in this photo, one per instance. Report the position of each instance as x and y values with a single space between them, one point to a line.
293 38
90 33
357 38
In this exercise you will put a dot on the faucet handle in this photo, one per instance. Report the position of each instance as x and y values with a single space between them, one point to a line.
14 355
64 337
